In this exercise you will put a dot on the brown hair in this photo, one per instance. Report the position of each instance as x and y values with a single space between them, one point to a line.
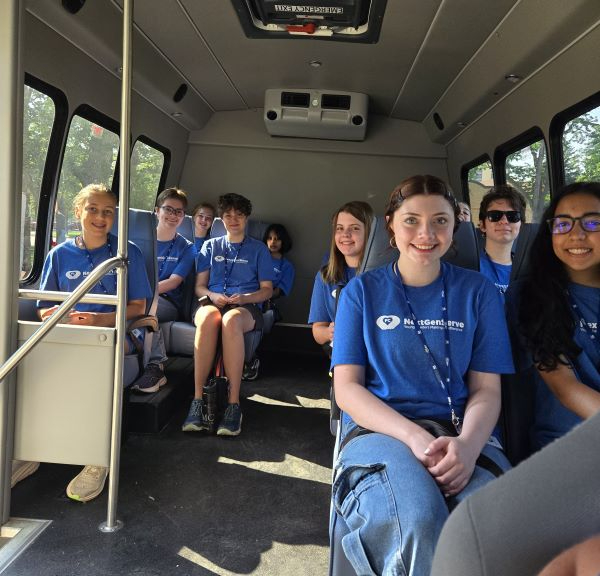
426 185
174 193
82 196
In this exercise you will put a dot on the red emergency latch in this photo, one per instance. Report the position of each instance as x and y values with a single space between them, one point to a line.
306 28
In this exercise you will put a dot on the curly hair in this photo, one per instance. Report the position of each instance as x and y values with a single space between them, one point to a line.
233 201
546 323
503 192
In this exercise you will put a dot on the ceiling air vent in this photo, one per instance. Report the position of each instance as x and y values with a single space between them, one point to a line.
344 20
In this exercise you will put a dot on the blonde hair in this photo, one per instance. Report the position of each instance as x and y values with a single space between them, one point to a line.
334 271
82 196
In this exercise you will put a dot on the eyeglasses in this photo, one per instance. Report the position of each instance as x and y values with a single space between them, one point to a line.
179 212
589 222
513 216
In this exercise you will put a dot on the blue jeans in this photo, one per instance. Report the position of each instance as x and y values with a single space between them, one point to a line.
391 505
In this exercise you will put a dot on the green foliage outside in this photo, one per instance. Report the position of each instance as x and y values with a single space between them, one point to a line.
90 157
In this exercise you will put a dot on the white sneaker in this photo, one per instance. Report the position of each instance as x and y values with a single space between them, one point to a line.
21 469
87 484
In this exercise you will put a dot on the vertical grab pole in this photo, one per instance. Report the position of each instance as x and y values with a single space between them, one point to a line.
112 524
11 147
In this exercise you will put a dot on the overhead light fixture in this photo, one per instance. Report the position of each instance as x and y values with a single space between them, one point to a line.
513 78
315 63
461 124
177 114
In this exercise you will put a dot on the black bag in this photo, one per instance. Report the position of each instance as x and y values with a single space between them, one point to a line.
215 396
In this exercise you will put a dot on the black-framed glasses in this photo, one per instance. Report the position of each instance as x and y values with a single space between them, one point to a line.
513 216
589 222
179 212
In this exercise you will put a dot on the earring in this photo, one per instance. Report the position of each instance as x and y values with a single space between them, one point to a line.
393 242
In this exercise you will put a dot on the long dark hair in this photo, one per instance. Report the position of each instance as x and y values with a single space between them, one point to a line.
545 319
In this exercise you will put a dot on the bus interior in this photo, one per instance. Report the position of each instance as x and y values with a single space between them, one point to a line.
300 108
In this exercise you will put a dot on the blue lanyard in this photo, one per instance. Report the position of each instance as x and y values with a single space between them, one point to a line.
443 382
162 266
228 266
91 264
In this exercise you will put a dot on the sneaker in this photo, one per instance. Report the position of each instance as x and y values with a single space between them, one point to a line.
87 484
151 380
231 425
251 370
21 469
197 418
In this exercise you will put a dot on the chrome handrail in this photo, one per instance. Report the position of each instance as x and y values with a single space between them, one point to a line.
99 271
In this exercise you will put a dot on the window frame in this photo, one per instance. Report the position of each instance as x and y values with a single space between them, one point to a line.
464 175
556 131
49 175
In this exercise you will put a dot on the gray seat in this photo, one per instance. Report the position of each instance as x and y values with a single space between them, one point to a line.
518 523
179 335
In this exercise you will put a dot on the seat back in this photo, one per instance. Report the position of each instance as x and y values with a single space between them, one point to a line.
522 249
186 228
142 232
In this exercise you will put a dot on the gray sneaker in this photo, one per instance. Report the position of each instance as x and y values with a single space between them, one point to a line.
151 380
197 419
231 425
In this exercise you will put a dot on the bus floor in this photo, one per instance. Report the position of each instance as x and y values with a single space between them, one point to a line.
203 505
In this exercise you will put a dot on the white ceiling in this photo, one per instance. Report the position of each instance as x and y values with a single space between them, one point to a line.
449 56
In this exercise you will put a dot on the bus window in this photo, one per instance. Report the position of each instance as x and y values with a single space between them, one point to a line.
146 169
39 112
90 158
527 170
480 179
581 147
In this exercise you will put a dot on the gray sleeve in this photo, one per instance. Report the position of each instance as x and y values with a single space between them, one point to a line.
518 523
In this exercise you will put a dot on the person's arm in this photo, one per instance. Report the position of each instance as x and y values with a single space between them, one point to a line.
135 308
170 283
263 293
374 414
571 393
460 453
323 332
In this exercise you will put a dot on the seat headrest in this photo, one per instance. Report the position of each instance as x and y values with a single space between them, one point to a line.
186 228
379 252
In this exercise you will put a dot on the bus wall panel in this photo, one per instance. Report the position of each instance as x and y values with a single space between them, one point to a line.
571 77
49 57
301 182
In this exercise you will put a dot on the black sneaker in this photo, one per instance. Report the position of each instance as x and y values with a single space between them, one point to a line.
197 419
251 370
231 425
151 380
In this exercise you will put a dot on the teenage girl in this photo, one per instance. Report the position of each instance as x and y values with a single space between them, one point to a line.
68 264
558 308
418 349
350 225
278 242
203 216
501 212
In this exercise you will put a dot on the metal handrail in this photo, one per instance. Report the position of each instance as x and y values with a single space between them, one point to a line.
50 295
99 271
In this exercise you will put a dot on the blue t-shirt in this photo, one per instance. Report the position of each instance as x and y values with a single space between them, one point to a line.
284 274
67 266
322 302
242 266
499 274
175 256
552 419
374 329
199 242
